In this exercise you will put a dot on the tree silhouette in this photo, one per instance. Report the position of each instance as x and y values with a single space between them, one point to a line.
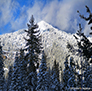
43 80
33 47
87 18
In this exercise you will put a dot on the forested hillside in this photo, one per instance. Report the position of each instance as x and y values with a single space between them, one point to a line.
46 59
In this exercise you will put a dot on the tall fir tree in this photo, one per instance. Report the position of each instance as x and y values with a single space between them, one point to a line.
9 78
33 46
55 82
23 70
88 77
72 82
85 47
69 75
66 75
16 83
88 53
2 79
43 82
85 53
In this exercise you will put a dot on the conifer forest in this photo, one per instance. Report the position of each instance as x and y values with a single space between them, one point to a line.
31 73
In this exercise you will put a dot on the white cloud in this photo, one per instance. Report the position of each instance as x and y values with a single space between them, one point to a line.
62 14
87 29
20 22
35 10
7 8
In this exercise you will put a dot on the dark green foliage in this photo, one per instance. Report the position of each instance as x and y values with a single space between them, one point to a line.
88 48
24 75
71 48
19 74
69 74
55 68
71 81
66 75
33 42
9 78
55 82
23 70
84 45
88 77
16 83
43 82
84 51
33 46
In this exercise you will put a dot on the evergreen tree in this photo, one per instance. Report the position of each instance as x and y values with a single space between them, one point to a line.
69 74
9 78
2 79
85 53
16 83
55 82
66 75
89 48
23 70
88 52
43 79
33 46
56 69
84 45
49 80
72 70
88 77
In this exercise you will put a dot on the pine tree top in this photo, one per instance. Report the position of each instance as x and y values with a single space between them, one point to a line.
31 25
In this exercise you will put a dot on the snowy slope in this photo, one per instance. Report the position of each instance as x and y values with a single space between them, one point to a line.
54 42
44 26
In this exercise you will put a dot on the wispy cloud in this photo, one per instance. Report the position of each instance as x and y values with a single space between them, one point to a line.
20 21
7 10
62 14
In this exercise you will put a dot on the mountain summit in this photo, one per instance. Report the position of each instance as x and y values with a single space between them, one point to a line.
54 42
44 25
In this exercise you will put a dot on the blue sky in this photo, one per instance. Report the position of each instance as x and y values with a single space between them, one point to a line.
14 14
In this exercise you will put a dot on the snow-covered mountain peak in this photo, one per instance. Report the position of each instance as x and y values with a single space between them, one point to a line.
54 42
44 25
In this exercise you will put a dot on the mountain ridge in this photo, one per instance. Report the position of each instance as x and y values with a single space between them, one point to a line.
54 42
